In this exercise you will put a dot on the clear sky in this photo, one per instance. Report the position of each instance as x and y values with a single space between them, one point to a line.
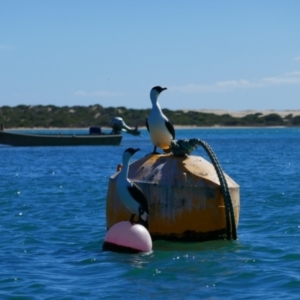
232 55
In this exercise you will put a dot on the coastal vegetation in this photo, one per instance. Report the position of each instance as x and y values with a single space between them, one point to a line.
96 115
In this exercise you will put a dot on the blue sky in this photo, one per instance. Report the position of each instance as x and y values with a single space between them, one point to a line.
232 55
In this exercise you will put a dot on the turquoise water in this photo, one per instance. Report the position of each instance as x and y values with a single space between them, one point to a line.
53 224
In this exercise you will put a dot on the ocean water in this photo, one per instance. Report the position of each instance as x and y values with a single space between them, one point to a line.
52 212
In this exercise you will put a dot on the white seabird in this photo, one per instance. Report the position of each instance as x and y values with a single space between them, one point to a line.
161 130
130 194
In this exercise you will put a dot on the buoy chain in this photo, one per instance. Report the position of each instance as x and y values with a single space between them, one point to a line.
230 220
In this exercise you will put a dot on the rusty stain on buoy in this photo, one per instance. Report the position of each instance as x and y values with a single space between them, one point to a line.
184 195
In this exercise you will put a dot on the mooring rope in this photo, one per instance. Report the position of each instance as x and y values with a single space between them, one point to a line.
185 147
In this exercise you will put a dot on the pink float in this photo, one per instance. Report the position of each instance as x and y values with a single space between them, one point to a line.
127 237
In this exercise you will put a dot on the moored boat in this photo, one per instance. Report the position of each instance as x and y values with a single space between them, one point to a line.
95 137
24 139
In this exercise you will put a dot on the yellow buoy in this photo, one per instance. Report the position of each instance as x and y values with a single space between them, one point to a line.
184 195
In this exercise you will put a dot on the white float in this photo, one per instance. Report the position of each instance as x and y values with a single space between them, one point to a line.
127 237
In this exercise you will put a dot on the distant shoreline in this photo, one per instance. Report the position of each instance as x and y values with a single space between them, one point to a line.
243 113
66 118
179 127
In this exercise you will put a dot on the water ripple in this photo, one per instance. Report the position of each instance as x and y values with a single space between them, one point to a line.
53 223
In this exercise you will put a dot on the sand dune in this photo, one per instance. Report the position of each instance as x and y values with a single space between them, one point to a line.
243 113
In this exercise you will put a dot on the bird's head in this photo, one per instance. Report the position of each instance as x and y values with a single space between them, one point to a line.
128 153
154 93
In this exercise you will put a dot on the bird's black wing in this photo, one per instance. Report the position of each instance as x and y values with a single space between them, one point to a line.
170 128
147 125
139 196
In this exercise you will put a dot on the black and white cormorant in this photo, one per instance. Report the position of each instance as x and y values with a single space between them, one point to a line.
160 128
130 194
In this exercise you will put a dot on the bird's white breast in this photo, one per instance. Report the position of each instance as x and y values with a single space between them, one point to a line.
159 133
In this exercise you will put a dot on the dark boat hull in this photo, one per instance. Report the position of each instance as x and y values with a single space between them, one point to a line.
18 139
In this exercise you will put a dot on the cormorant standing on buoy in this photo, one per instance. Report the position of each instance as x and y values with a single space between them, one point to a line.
161 130
130 194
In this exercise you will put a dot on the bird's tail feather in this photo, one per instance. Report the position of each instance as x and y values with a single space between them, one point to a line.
167 150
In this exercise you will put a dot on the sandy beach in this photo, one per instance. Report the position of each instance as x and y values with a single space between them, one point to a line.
242 113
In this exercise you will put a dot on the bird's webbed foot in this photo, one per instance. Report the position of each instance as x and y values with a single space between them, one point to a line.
154 152
132 219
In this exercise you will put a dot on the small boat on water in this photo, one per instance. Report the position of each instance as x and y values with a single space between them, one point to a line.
24 139
95 137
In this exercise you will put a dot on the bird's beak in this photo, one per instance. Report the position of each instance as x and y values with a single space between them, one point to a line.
136 150
164 89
